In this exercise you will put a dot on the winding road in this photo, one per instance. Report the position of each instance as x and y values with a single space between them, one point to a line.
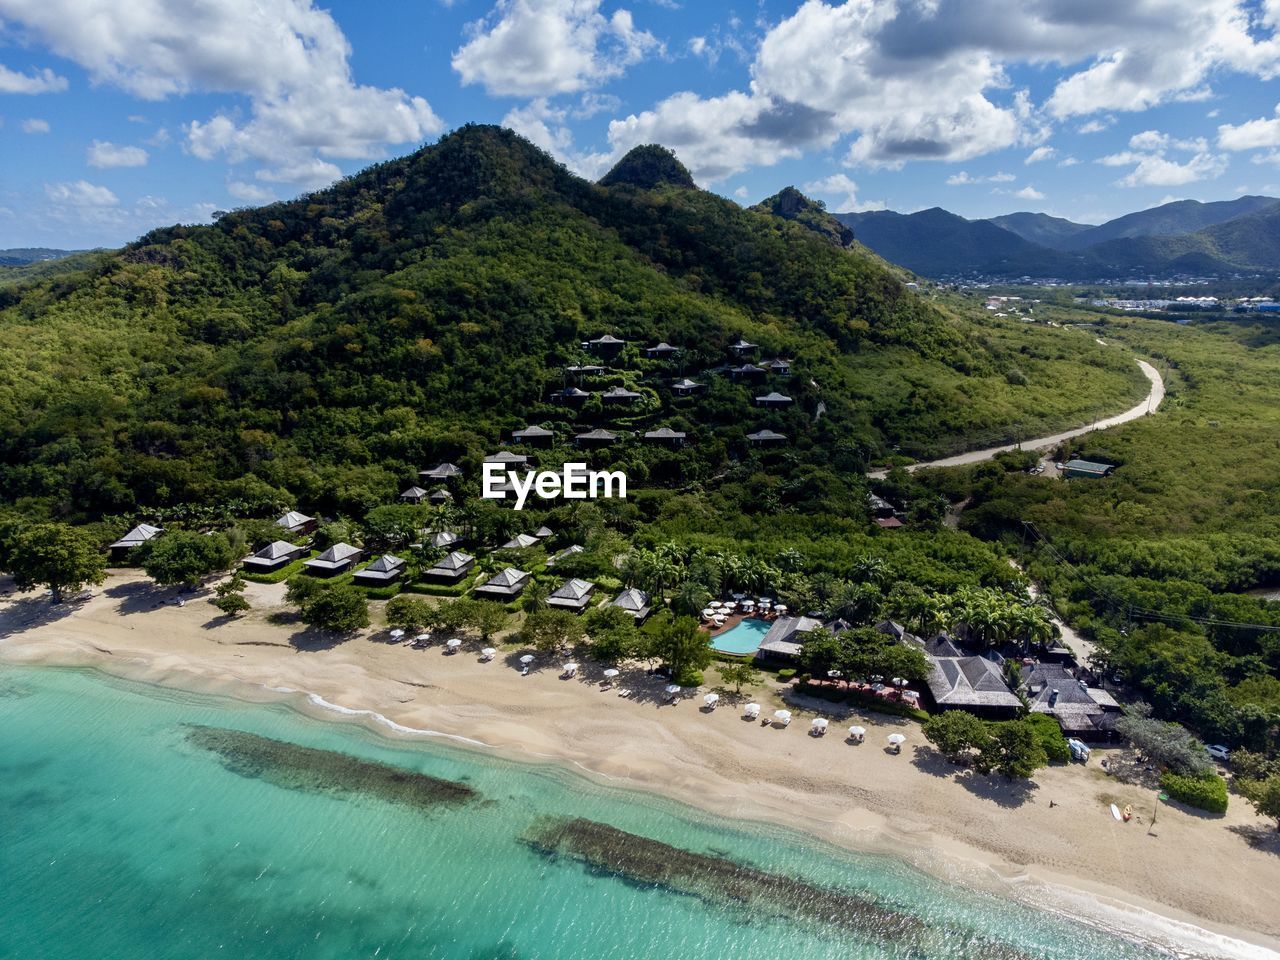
1149 405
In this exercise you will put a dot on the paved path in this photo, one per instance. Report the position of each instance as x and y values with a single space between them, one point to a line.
1148 405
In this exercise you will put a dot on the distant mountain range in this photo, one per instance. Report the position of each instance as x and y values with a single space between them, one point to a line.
21 256
1179 238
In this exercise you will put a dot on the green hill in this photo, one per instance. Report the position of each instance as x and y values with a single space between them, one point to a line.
321 351
1171 219
1047 231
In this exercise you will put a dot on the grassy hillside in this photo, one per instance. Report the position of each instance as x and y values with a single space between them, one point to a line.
322 351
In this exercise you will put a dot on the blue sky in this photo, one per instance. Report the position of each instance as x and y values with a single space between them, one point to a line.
117 117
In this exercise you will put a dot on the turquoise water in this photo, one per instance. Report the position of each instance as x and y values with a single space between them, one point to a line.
743 638
123 839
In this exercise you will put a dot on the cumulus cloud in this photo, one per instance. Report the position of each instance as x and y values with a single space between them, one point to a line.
1252 134
35 125
105 155
1029 193
289 58
964 179
1039 154
1152 167
80 193
534 48
843 192
42 81
1096 125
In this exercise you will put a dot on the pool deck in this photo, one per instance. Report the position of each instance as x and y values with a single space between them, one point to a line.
733 620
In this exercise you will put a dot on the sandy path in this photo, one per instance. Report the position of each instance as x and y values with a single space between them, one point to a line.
1149 405
1195 870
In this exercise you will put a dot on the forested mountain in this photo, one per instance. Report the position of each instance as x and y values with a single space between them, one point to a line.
21 256
322 351
1183 237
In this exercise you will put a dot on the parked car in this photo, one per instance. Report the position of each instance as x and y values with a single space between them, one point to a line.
1217 751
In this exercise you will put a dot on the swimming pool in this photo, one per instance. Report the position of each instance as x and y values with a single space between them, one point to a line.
742 639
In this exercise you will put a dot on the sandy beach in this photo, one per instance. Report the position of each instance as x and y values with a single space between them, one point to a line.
1207 883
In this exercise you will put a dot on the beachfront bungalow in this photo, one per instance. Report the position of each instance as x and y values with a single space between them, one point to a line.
1087 468
661 351
136 537
774 400
439 497
686 387
766 438
607 346
386 569
748 371
566 552
786 637
975 684
570 396
272 557
521 541
297 524
339 558
634 602
667 436
450 569
413 495
508 459
742 348
533 436
507 585
441 471
595 438
778 366
444 539
1084 712
573 595
619 397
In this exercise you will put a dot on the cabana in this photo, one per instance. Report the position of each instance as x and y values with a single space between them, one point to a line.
742 347
665 435
533 436
573 595
507 585
570 396
297 523
441 471
521 541
595 438
439 497
339 558
386 569
413 495
661 351
686 387
620 396
444 538
766 438
773 400
778 366
634 602
272 557
606 346
136 537
748 371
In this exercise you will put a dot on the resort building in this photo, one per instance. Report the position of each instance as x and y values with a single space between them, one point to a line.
441 471
1086 468
544 532
778 366
1084 712
766 438
786 637
508 584
443 539
595 438
634 602
386 569
570 396
975 684
296 524
585 370
607 346
136 537
619 396
337 559
272 557
665 435
748 371
572 595
533 436
774 400
521 541
742 348
413 495
439 497
566 552
661 351
450 569
686 387
507 458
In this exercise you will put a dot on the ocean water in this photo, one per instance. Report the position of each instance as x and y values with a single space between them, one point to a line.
136 822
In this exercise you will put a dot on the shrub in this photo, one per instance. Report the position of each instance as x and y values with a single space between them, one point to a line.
1050 737
786 675
1205 792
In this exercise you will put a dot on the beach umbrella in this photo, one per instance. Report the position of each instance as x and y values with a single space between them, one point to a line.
751 710
899 682
834 674
422 638
570 668
897 739
819 725
780 608
397 633
711 699
527 658
857 732
766 601
611 673
782 716
454 644
488 653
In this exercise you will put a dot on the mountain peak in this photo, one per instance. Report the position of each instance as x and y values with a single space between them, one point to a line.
649 166
790 204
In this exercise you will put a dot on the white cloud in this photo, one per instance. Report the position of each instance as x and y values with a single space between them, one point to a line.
1068 162
42 81
1251 135
844 193
105 155
249 192
742 193
1096 125
80 193
533 48
1029 193
1157 170
289 58
964 179
1039 154
35 125
546 126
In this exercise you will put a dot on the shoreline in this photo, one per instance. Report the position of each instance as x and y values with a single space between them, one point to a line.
523 720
